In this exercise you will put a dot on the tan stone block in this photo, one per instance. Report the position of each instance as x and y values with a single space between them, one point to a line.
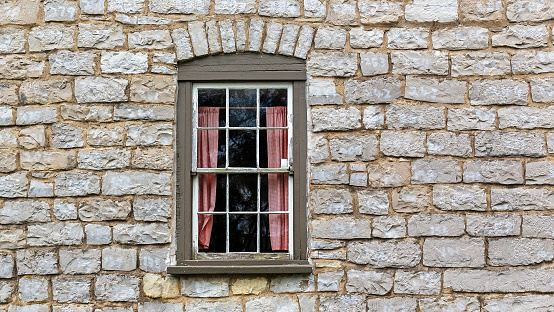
249 286
157 286
153 89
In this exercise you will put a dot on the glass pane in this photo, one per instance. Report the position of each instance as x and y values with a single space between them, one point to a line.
243 192
274 148
264 202
213 98
271 98
242 148
211 149
243 233
242 107
217 236
212 192
274 233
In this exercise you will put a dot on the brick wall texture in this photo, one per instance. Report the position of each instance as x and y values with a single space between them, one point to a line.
431 153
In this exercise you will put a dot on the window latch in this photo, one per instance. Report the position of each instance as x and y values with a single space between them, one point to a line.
291 170
193 173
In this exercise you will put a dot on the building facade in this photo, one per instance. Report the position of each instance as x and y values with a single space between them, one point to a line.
428 139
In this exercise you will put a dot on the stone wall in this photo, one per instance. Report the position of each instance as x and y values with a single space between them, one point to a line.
431 150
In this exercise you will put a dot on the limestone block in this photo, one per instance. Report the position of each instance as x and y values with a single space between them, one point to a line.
419 63
92 6
304 43
330 174
13 185
12 40
389 174
373 117
205 287
385 254
368 282
495 225
179 7
76 184
533 62
119 259
342 12
452 252
71 289
331 201
468 304
396 304
59 10
45 92
41 189
411 199
373 202
153 158
51 37
86 113
432 11
526 303
541 172
100 36
183 47
214 306
493 171
519 251
504 281
538 225
521 199
153 89
269 304
378 12
482 10
459 198
47 160
115 288
12 239
125 6
541 90
335 119
150 39
213 37
52 234
415 117
449 144
389 227
328 37
353 148
436 171
154 260
20 12
323 91
402 144
80 261
20 67
495 92
314 8
521 37
373 91
329 281
273 33
33 289
100 89
66 136
141 234
436 225
480 64
407 38
333 64
435 91
103 159
461 38
135 182
104 136
342 228
234 6
373 64
104 210
417 283
472 118
157 286
279 8
19 212
37 262
98 234
255 36
364 39
124 62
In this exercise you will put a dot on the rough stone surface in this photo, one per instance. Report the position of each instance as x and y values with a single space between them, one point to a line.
463 252
368 282
488 92
331 201
381 254
417 283
411 199
519 251
436 225
503 172
431 90
342 228
380 90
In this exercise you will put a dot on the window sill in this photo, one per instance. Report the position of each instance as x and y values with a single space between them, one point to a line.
241 267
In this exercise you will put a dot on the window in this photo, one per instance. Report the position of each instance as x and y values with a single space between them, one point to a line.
241 166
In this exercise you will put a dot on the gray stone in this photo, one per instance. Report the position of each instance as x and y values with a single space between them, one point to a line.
328 37
33 116
136 183
6 266
472 118
179 7
8 91
240 39
33 289
402 144
39 189
19 212
453 253
459 198
76 184
504 281
389 227
6 115
8 161
100 89
103 136
415 117
461 38
368 282
373 202
213 37
353 148
152 209
541 90
509 144
86 113
228 36
480 64
79 308
212 306
493 171
488 92
198 38
142 234
436 171
47 160
389 174
378 12
333 64
407 38
432 11
143 112
80 261
342 12
24 12
396 304
183 47
364 39
436 225
12 239
288 39
12 40
153 158
521 37
314 8
59 10
379 90
519 303
374 63
385 254
335 119
20 67
124 62
495 225
8 138
154 260
419 63
71 290
435 91
353 303
271 304
449 144
533 62
482 10
234 6
100 36
125 6
304 42
329 281
115 288
158 306
29 308
66 136
323 91
103 159
205 287
417 283
104 210
13 185
52 234
255 35
331 201
521 199
342 228
119 259
98 234
275 8
33 137
37 262
541 172
153 89
411 199
373 117
466 304
273 33
6 292
51 37
520 251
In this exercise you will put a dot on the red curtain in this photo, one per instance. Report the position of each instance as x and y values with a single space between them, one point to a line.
207 183
277 149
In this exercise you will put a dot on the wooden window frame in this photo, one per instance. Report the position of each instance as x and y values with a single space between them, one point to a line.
240 68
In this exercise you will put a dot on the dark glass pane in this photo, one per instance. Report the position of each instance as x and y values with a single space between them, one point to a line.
218 235
263 148
242 148
281 135
213 98
245 114
243 233
243 192
271 98
265 232
204 162
264 203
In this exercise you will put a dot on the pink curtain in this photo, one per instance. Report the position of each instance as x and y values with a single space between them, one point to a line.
277 149
207 183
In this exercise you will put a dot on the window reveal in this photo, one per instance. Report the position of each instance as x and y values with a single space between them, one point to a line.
243 135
